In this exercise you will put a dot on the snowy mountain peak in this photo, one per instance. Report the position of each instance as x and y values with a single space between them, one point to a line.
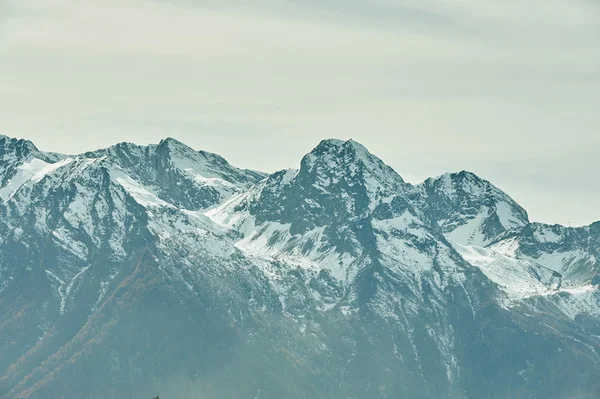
124 154
347 166
8 140
20 161
335 213
214 164
454 185
178 174
338 181
170 141
337 145
18 149
469 209
348 155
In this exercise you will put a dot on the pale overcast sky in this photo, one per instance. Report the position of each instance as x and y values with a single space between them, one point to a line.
507 89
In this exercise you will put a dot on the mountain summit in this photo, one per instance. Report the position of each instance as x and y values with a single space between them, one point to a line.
470 210
179 174
337 181
136 269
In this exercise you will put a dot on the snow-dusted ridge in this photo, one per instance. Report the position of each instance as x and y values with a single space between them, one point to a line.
337 177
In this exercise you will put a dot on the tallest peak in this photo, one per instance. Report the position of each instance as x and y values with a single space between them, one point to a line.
335 152
340 145
337 166
171 142
340 152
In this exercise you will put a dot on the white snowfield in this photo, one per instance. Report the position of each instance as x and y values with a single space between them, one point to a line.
30 172
523 277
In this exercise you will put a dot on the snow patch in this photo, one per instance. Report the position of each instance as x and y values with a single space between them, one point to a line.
470 233
518 278
24 173
507 217
139 193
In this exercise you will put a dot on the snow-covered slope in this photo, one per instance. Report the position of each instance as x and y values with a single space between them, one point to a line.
518 278
21 162
572 252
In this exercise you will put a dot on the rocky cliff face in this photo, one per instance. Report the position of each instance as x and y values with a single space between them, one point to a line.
134 270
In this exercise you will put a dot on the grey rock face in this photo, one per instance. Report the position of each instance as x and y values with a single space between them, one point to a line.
135 270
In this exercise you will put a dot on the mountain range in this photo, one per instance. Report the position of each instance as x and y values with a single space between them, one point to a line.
133 270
